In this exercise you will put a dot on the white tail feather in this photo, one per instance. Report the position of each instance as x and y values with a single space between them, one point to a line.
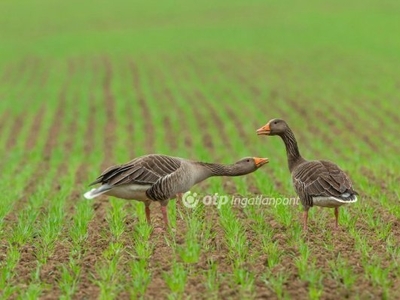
331 201
93 193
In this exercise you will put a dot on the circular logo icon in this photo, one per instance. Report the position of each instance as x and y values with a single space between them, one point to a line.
190 200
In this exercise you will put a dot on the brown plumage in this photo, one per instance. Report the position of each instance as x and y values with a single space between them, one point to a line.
157 177
317 182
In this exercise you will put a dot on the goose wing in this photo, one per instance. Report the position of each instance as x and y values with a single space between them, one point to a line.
146 169
321 179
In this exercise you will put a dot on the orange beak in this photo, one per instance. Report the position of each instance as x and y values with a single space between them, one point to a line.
260 161
265 130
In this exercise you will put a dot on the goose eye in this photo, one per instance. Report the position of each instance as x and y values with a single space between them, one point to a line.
275 122
248 160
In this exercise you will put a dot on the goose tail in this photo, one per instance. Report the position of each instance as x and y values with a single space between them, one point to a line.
93 193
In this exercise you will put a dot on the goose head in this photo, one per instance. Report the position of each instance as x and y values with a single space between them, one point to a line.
249 164
273 127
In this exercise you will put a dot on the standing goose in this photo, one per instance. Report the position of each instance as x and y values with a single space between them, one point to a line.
157 177
317 182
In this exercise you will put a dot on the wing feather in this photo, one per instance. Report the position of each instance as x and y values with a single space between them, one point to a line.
146 169
321 179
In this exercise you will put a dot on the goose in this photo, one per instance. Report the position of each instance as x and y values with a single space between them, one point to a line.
317 182
157 177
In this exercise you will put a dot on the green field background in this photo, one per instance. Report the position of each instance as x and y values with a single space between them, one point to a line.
360 31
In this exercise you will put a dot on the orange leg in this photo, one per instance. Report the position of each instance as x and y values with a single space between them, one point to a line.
148 214
336 218
165 215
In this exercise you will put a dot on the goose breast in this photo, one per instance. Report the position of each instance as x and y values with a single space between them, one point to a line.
179 181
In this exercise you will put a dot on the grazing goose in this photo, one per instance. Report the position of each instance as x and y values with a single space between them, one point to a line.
157 177
317 182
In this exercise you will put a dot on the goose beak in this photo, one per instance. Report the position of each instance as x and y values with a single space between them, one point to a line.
260 161
265 130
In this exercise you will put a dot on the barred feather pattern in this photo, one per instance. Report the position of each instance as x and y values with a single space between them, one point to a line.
166 187
146 169
317 178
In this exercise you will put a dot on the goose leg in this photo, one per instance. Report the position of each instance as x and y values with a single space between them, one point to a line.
336 218
305 218
165 215
148 213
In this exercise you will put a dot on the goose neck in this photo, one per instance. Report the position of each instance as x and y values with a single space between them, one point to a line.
292 150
